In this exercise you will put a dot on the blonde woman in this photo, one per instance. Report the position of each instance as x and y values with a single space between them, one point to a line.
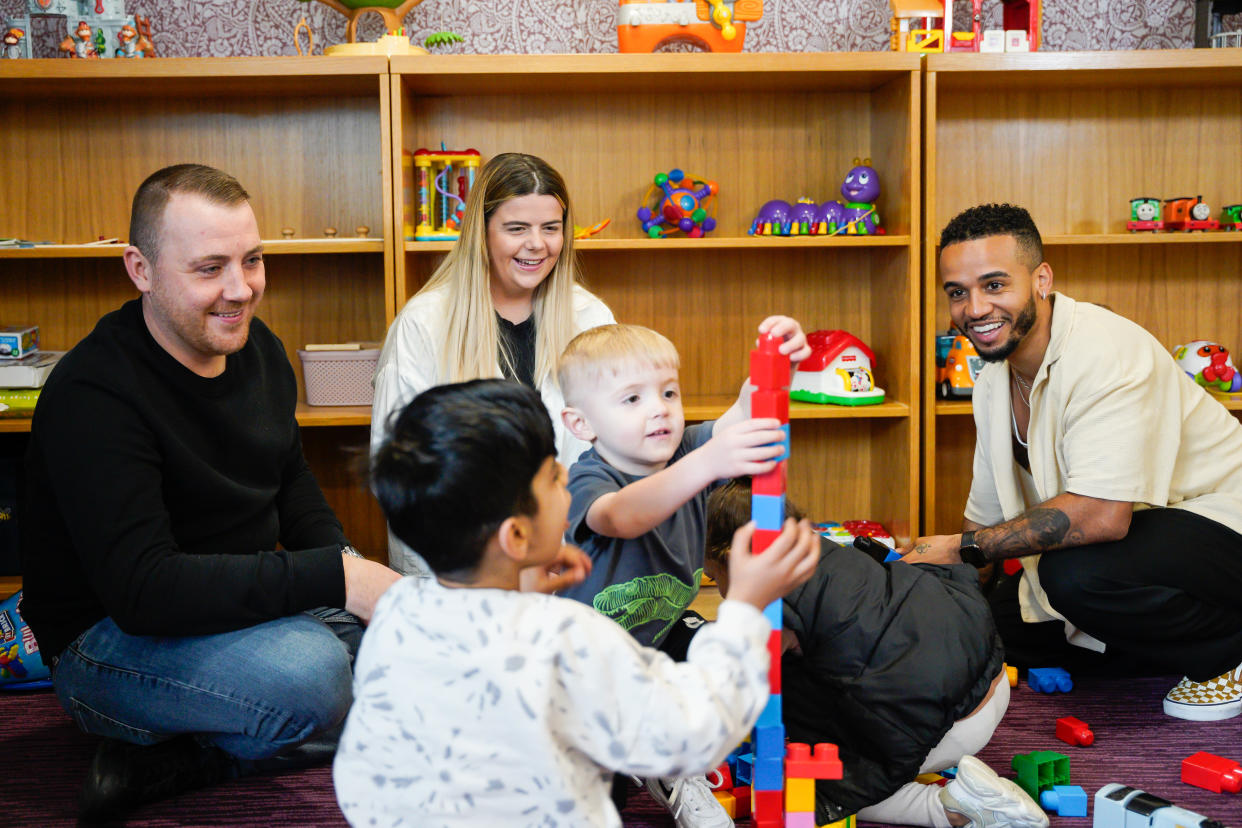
504 303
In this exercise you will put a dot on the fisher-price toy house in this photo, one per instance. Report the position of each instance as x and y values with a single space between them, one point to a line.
838 371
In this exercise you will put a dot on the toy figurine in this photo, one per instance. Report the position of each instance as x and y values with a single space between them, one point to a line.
132 44
861 188
1208 364
12 45
681 204
1144 214
81 43
392 12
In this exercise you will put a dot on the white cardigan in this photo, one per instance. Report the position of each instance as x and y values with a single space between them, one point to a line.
410 364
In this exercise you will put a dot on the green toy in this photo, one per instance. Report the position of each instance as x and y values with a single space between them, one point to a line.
1040 770
442 39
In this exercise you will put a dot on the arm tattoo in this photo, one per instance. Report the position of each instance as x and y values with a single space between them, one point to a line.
1038 530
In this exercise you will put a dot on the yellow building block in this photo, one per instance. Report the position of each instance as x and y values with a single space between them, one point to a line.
848 822
799 796
727 802
1012 674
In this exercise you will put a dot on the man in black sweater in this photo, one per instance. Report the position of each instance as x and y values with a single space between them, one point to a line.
164 469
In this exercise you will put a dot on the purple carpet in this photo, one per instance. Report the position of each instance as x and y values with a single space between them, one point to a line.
1135 743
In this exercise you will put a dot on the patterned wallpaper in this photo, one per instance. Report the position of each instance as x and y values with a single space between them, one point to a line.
218 28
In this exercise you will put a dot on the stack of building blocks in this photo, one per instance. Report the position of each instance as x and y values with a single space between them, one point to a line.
1049 680
802 768
1041 770
1216 773
769 373
1074 732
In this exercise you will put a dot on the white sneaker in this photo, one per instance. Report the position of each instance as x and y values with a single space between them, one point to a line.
1207 701
690 802
988 800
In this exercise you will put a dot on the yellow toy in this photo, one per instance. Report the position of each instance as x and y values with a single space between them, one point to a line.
711 25
439 207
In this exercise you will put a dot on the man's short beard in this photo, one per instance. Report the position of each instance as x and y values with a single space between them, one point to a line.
1021 327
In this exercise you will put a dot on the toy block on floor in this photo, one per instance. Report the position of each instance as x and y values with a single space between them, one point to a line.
1216 773
931 779
770 739
801 763
1065 800
848 822
771 714
800 819
745 768
1012 674
741 801
1011 566
1074 732
1049 680
725 777
1041 770
769 775
727 801
767 806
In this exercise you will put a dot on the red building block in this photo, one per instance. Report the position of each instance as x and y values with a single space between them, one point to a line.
762 539
767 807
726 778
1012 566
766 403
1216 773
741 798
800 763
1074 731
769 372
772 483
774 666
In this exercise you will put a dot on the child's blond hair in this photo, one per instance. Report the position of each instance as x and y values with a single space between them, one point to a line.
611 348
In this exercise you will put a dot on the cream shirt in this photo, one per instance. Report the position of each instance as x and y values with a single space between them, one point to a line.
1112 417
410 364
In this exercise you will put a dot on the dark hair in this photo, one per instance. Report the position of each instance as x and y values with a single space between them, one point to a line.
458 461
728 508
997 220
146 218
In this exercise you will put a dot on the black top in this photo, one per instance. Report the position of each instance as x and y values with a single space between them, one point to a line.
157 497
891 656
519 342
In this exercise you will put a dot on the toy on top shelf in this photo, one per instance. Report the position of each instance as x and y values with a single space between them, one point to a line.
957 364
1216 773
133 44
927 26
1049 680
1121 806
440 209
1231 217
437 39
1065 800
1144 214
392 12
80 43
710 25
1189 213
838 371
680 200
1074 732
1209 364
1041 770
14 44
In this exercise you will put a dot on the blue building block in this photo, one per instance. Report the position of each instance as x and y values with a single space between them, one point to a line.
767 511
784 455
769 775
949 773
770 741
771 714
775 614
893 555
745 769
1049 680
1066 800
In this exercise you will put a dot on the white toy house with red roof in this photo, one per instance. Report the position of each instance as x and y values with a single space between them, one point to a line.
838 371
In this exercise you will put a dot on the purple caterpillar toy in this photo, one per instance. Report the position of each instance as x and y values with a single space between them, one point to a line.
856 217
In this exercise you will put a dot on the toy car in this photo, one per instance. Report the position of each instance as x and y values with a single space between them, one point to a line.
1189 213
957 365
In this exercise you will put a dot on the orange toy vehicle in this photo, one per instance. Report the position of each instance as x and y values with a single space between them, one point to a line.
957 365
1188 213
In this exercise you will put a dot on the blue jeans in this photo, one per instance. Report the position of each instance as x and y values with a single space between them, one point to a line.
252 692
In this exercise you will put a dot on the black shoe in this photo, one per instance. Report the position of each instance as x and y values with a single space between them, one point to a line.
123 776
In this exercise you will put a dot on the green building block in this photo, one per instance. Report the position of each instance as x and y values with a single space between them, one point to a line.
1040 770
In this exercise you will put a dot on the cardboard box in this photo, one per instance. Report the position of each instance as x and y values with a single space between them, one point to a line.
16 341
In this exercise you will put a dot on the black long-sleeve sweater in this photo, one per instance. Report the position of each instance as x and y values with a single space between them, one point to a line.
158 497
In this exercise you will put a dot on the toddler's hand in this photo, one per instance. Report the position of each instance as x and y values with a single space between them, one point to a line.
745 448
789 561
787 328
570 567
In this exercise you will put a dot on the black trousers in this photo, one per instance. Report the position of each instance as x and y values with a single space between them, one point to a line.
1166 599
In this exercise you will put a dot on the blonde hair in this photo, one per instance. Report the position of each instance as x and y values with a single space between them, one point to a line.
611 347
472 342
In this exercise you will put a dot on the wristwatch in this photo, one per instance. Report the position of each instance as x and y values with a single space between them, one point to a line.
351 552
970 551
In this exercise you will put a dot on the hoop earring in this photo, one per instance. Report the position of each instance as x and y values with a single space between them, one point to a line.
1043 294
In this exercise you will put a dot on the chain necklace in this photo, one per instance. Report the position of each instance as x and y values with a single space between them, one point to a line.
1020 384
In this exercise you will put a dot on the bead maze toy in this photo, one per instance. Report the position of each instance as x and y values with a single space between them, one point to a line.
710 25
681 200
1208 364
783 779
440 209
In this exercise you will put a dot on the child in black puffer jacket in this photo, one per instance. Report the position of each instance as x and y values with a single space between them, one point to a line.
901 667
